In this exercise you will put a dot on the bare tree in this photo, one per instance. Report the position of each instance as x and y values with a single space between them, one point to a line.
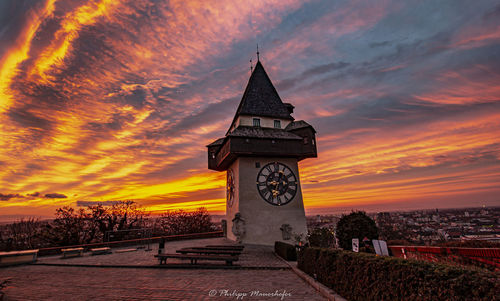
69 227
181 222
24 234
122 215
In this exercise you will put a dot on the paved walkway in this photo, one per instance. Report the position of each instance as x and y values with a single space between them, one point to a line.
135 281
252 256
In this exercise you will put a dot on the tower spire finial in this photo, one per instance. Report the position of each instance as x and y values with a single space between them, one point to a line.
258 59
251 66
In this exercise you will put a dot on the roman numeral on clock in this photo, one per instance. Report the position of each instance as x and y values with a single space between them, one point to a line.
276 183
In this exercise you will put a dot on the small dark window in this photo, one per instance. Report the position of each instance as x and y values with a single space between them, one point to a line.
256 122
277 124
257 164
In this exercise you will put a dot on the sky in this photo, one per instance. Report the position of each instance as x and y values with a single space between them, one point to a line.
106 100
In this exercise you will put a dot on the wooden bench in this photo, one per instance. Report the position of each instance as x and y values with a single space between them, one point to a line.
73 252
209 251
126 250
216 249
100 251
18 257
195 257
239 247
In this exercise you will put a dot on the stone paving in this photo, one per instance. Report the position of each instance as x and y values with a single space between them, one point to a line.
135 280
252 256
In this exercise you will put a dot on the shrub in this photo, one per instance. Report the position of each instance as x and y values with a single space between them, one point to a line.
355 225
321 237
358 276
285 251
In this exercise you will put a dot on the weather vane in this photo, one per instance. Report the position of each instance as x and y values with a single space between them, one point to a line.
258 59
251 66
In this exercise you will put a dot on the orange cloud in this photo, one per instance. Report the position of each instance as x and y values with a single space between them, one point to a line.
106 100
477 84
100 132
19 51
53 56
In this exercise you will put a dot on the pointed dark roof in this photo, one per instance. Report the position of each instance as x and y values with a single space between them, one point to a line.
261 98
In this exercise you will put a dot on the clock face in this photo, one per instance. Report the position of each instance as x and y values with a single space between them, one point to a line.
277 184
230 188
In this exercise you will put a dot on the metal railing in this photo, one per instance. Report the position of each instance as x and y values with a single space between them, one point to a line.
482 257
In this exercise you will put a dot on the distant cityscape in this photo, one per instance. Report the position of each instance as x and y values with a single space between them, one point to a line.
429 226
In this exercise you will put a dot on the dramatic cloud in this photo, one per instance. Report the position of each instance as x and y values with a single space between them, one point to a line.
6 197
55 196
107 100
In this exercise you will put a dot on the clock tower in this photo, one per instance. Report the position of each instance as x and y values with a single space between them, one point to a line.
260 154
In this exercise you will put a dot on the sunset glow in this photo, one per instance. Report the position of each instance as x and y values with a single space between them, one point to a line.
109 100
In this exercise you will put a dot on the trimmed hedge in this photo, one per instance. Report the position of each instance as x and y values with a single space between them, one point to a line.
285 251
358 276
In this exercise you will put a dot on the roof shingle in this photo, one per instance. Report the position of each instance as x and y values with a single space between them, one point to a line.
261 98
258 132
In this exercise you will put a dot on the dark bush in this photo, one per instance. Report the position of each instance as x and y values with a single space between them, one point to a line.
285 251
355 225
358 276
322 237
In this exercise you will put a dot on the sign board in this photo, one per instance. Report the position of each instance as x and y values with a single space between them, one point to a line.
355 244
380 247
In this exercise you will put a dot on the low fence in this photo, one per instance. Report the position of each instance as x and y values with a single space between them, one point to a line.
131 242
482 257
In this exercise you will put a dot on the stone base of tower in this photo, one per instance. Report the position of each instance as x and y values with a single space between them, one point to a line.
260 222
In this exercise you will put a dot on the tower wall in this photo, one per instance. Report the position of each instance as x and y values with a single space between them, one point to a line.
262 221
